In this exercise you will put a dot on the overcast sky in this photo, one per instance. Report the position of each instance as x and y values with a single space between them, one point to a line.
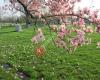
8 12
94 4
83 3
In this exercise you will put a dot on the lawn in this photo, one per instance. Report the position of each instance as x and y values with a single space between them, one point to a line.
18 59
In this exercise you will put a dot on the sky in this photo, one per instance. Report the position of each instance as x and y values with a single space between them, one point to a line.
8 12
1 1
94 4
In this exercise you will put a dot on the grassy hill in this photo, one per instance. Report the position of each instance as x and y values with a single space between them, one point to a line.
17 55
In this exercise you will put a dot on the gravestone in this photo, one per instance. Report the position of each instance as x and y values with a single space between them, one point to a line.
7 66
18 28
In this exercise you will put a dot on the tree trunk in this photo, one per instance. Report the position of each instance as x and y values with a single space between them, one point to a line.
27 20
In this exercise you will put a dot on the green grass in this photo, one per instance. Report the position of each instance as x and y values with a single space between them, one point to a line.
17 49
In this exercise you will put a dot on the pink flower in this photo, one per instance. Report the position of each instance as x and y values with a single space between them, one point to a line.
38 37
60 43
61 34
62 31
79 39
98 28
81 21
74 42
75 24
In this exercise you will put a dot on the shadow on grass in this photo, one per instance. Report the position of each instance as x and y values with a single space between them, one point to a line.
7 32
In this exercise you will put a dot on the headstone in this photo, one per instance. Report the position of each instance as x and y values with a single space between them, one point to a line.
7 66
18 28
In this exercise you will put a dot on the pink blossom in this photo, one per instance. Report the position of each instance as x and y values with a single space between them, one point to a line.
62 31
38 37
74 42
79 39
98 28
81 21
60 43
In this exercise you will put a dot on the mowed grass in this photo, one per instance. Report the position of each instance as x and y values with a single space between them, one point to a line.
17 49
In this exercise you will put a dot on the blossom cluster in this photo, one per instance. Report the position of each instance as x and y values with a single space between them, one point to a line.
79 39
60 43
38 37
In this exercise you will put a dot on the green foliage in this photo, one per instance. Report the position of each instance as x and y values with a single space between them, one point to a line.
17 49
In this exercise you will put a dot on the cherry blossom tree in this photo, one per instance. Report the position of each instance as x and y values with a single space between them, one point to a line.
61 9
